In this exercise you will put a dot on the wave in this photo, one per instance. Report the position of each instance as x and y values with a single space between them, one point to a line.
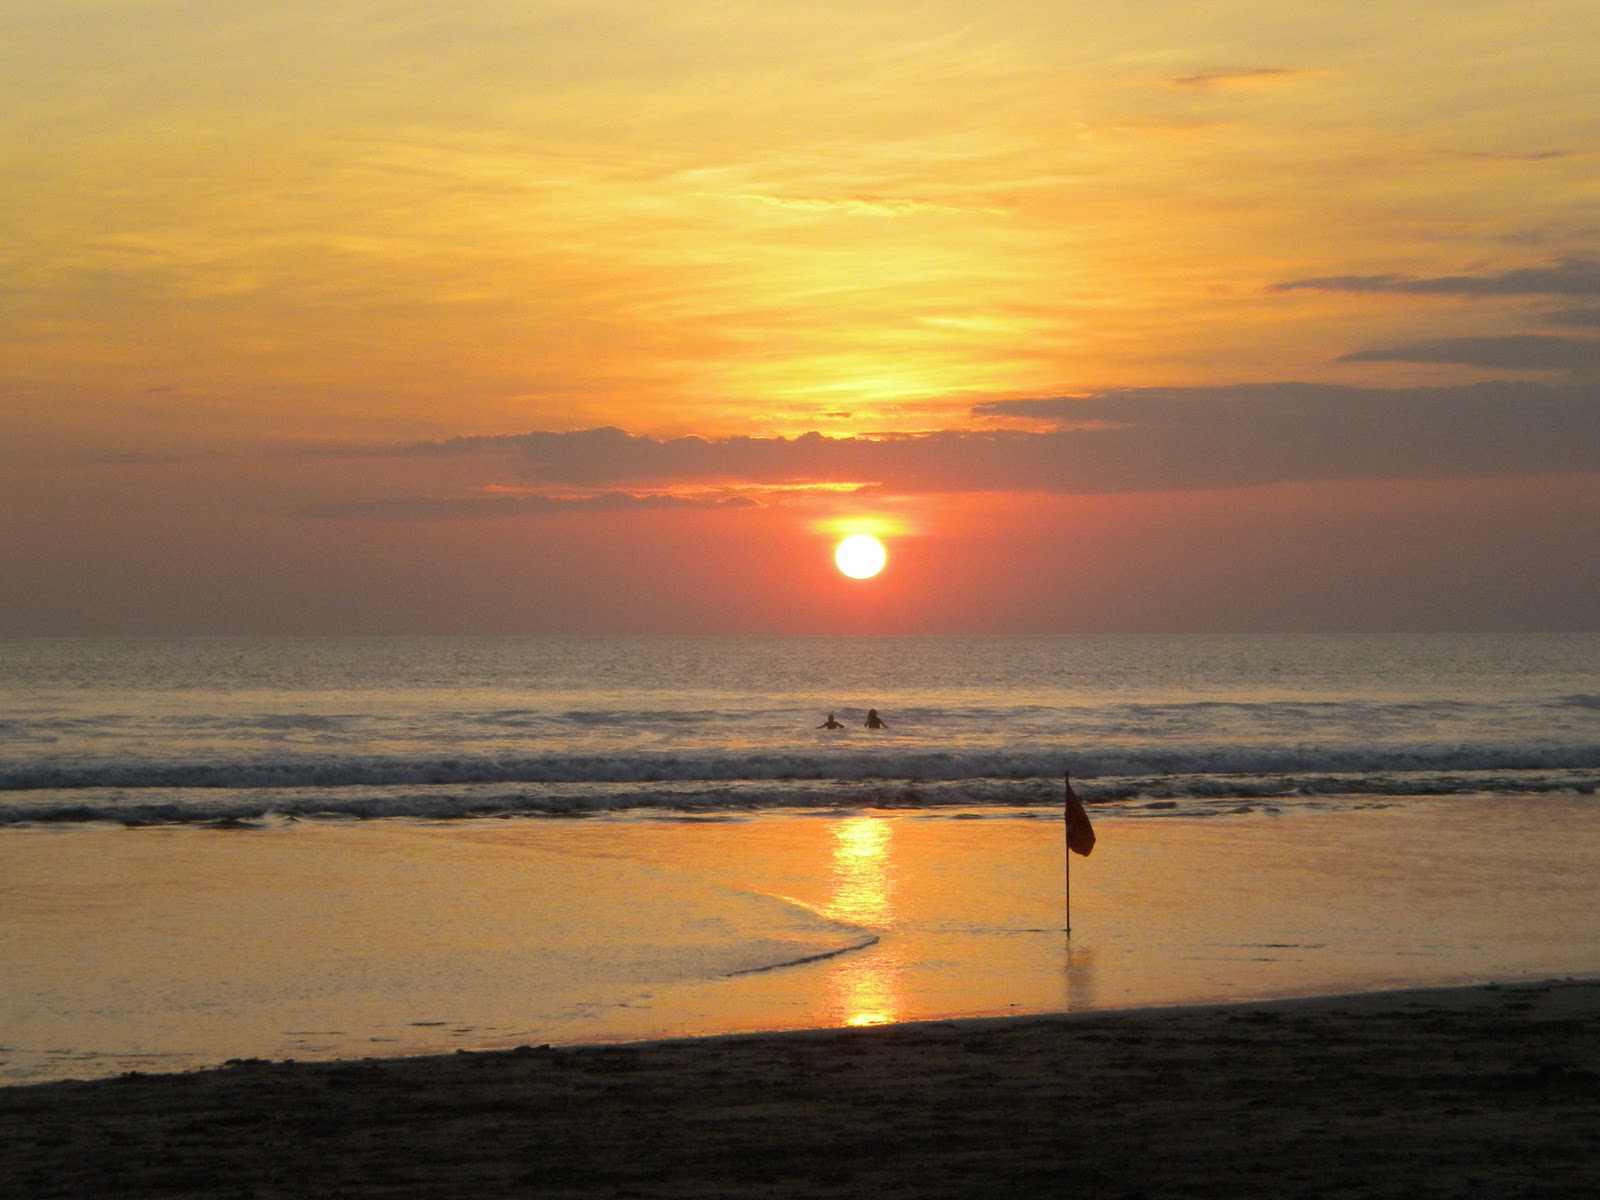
1172 794
637 766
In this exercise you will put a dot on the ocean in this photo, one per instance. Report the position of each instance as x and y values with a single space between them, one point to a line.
246 730
230 848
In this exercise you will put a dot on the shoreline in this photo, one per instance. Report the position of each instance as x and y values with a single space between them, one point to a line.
187 948
1430 1092
1443 995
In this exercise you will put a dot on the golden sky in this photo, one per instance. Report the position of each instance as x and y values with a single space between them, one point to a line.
1160 315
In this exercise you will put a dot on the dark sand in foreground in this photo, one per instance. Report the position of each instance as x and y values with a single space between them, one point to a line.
1488 1091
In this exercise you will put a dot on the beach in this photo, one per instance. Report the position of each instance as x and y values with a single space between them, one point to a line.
1440 1093
967 1047
480 918
173 948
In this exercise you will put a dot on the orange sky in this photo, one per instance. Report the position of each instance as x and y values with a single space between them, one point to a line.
529 316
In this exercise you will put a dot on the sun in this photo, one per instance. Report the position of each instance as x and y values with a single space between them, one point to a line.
860 556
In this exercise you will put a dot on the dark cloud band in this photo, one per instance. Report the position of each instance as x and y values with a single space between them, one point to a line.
1154 439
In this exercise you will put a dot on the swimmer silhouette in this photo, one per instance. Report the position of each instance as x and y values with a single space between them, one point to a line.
830 723
874 721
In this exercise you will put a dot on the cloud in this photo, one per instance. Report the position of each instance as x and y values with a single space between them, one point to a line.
1150 439
1526 156
1518 351
1275 432
1231 81
1577 318
1564 277
504 504
868 205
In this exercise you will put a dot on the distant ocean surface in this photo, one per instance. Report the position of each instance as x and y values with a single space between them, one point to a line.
251 730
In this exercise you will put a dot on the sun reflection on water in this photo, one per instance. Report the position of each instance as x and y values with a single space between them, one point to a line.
862 877
866 994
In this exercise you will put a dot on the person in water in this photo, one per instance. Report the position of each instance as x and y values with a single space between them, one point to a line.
874 721
830 723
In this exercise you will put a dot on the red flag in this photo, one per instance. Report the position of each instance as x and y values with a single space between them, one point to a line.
1080 834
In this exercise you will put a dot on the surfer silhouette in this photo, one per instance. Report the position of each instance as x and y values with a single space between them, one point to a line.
874 721
830 723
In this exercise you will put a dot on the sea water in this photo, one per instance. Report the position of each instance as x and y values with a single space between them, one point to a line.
221 848
223 729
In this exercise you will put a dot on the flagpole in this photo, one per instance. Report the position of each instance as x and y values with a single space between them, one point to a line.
1066 853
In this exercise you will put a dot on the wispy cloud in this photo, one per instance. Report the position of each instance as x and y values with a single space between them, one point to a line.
865 204
1238 80
1516 156
1565 277
1578 318
1527 351
503 504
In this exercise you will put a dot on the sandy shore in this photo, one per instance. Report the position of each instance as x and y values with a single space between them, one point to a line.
177 948
1485 1091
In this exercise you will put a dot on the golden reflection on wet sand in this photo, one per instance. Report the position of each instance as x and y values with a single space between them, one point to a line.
195 945
861 876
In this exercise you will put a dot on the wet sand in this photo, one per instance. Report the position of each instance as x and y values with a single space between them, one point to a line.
1446 1093
170 949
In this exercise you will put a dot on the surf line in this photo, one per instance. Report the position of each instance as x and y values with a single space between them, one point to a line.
871 940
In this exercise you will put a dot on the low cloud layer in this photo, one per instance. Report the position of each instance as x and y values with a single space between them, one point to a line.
1153 439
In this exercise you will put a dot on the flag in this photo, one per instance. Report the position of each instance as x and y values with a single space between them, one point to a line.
1080 834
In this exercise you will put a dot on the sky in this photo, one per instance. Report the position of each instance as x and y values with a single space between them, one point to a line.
613 316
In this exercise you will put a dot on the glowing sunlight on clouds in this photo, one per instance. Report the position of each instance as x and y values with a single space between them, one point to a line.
744 270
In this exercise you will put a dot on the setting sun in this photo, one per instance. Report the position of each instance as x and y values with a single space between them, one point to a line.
860 556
